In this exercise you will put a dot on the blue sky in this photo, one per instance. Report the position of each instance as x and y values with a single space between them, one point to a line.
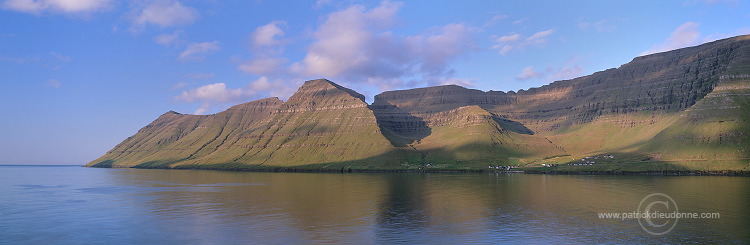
77 77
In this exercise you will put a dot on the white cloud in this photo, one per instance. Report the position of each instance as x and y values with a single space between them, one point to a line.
505 49
263 66
61 6
567 72
344 41
521 21
441 47
57 60
216 92
720 1
170 39
163 13
685 35
599 26
59 57
211 94
261 84
509 38
517 41
54 83
528 73
268 35
20 60
178 86
218 95
540 37
457 81
194 51
321 3
201 75
495 19
499 17
268 47
352 45
710 2
553 73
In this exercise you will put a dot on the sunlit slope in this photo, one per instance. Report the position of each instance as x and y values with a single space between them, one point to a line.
470 136
322 125
711 134
715 129
175 137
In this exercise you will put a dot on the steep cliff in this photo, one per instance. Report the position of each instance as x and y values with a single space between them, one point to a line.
683 109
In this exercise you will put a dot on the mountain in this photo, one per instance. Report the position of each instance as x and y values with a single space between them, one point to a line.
686 109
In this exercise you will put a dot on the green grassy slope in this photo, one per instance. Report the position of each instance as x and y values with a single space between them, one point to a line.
175 137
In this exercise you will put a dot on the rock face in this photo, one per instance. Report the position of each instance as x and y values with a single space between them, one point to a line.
691 104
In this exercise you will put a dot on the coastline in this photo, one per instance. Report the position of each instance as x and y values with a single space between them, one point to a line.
427 170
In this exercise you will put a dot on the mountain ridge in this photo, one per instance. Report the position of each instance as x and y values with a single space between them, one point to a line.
663 111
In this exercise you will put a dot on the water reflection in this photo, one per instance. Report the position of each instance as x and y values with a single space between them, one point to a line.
426 208
401 210
185 206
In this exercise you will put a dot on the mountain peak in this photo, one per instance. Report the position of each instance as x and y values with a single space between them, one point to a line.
322 93
323 87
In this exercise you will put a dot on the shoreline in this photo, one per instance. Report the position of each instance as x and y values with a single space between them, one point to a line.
550 172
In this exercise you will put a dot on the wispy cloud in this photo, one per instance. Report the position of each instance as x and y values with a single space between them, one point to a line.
505 44
38 7
540 37
170 39
59 57
321 3
685 35
19 60
216 95
710 2
520 21
197 51
211 94
52 60
494 19
178 86
53 83
528 73
263 65
570 70
509 38
599 26
201 75
162 13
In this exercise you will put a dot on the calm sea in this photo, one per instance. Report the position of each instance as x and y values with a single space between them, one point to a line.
75 205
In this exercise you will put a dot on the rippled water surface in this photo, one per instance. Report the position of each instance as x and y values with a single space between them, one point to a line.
74 205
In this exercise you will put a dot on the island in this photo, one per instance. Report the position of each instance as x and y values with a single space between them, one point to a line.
681 111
